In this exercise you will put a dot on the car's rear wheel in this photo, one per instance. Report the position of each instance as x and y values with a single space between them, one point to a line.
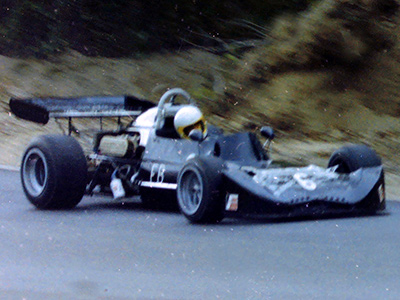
54 172
199 191
350 158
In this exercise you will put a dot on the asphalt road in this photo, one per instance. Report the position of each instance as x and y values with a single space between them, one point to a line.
106 250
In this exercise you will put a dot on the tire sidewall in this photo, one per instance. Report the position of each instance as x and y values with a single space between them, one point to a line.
211 207
200 176
66 172
42 200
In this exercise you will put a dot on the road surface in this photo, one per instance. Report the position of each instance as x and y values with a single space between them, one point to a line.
107 250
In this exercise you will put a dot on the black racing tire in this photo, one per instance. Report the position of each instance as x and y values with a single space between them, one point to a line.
199 191
353 157
54 172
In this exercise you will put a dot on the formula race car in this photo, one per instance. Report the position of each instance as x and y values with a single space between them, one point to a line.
169 154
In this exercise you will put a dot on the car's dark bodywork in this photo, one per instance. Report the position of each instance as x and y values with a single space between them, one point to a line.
248 181
262 187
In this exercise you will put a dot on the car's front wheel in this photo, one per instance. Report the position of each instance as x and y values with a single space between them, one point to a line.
350 158
54 172
199 191
353 157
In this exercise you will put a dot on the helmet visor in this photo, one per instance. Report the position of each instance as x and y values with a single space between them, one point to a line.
198 125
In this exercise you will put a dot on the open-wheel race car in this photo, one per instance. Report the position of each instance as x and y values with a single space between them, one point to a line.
169 154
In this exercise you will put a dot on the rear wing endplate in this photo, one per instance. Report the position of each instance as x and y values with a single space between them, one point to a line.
40 110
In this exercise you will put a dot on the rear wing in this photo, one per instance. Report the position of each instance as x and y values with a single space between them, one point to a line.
40 110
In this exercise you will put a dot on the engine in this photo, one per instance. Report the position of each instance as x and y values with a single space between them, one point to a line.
122 146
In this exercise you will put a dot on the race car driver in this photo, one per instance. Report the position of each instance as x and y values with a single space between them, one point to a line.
189 118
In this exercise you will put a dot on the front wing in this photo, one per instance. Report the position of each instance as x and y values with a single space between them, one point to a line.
309 190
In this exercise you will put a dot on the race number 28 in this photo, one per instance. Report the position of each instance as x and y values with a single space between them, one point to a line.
157 173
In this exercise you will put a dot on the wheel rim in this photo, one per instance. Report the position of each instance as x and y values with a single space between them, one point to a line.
34 172
190 192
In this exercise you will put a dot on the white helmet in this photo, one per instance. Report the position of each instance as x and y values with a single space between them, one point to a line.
188 118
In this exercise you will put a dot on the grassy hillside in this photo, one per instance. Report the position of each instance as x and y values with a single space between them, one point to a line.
330 74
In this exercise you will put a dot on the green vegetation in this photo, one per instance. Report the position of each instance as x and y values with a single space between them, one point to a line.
116 28
323 62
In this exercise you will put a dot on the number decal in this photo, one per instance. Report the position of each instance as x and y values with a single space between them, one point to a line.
153 171
157 172
161 172
305 181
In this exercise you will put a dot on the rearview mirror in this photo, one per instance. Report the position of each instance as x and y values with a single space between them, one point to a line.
267 132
